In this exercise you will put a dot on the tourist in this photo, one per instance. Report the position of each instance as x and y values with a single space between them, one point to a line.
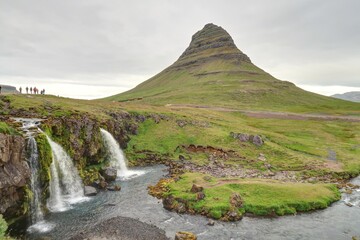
30 90
44 91
27 90
20 89
0 89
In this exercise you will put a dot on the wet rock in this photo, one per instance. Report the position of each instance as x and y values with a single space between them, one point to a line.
185 236
200 196
114 188
14 174
211 222
109 174
90 191
196 188
233 215
169 202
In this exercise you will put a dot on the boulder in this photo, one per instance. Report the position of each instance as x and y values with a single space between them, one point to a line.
185 236
257 140
195 188
200 196
236 200
233 215
168 202
243 137
109 174
114 188
90 191
211 222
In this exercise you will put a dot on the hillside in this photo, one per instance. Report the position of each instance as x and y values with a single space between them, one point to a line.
213 71
349 96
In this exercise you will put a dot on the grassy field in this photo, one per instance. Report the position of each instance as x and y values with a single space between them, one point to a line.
259 197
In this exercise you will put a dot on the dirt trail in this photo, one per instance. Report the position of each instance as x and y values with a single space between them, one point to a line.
267 114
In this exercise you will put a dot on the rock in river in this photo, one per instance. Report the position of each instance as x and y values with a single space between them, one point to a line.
109 174
90 191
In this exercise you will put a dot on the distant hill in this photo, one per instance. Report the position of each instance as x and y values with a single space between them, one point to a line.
8 89
349 96
213 71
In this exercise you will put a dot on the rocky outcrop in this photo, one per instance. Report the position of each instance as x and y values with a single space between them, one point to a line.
244 137
211 42
14 174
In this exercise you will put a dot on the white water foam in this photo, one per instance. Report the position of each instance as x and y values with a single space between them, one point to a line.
117 158
65 185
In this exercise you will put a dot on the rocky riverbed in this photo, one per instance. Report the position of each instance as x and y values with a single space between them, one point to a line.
122 228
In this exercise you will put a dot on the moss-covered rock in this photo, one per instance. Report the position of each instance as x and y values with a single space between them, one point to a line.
45 160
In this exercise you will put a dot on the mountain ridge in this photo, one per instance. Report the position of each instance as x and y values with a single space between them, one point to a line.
353 96
213 71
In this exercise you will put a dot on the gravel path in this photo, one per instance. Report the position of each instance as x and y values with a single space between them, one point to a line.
275 115
122 228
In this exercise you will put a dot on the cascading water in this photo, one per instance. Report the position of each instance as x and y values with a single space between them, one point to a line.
30 128
65 184
117 157
37 214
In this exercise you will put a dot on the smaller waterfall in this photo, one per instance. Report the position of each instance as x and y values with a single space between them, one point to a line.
117 157
35 204
65 185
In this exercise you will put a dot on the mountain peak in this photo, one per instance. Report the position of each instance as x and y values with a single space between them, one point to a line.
213 42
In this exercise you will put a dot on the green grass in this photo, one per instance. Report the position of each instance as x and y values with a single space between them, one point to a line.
6 129
238 86
261 197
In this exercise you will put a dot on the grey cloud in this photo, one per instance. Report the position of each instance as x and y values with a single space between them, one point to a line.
309 42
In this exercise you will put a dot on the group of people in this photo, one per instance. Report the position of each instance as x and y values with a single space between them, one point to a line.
31 89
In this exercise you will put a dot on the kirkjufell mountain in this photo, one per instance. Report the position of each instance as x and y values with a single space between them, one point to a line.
213 71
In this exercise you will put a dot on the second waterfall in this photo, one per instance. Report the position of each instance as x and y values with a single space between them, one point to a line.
65 185
117 157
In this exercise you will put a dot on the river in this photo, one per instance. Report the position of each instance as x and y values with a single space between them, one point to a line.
336 222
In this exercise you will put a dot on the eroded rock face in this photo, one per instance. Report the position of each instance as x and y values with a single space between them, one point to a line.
14 174
213 38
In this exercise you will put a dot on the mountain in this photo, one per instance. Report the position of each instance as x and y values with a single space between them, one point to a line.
8 89
213 71
349 96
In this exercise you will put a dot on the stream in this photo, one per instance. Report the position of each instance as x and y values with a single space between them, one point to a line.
336 222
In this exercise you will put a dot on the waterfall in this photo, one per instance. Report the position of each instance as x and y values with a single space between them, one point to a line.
65 184
117 157
30 129
35 203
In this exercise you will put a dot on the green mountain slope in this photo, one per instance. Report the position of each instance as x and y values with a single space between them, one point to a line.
213 71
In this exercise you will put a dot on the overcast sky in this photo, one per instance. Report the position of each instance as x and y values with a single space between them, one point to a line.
96 48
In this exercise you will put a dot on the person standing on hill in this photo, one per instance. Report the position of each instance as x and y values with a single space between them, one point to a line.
20 89
30 90
27 90
0 89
